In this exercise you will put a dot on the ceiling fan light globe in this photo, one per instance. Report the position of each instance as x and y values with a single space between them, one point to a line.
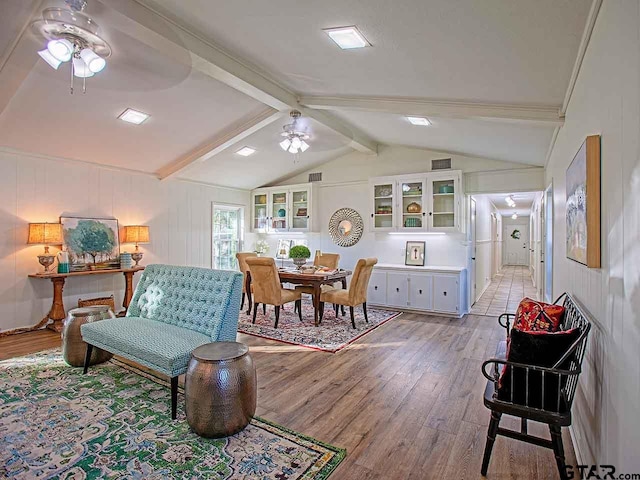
81 69
296 142
50 59
285 144
303 147
95 62
61 49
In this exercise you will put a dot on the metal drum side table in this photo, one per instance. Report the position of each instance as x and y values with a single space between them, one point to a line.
220 389
73 348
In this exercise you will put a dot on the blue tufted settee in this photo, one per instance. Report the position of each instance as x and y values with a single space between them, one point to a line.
173 310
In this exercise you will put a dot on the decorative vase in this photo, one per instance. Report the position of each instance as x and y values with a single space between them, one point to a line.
282 212
299 262
414 208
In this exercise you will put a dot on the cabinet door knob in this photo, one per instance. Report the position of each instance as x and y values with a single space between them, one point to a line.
397 289
375 288
445 294
424 213
372 215
430 213
420 292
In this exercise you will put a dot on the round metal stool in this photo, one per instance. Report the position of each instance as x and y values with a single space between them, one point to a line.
73 348
220 389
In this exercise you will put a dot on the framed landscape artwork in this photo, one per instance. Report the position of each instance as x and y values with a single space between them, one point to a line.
92 243
583 204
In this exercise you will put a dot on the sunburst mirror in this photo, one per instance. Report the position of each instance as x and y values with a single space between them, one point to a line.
346 227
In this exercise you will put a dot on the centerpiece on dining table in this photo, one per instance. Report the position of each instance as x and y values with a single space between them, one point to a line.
299 254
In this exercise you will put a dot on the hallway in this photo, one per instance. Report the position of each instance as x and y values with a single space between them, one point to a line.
511 285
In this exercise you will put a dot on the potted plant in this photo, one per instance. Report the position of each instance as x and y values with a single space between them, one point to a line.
299 254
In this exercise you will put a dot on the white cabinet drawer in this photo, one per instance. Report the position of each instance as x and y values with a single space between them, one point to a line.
445 293
420 290
377 291
397 289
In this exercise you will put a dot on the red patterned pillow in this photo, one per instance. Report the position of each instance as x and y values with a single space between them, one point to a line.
534 316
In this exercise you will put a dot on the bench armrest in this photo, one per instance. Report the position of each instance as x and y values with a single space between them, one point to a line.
505 321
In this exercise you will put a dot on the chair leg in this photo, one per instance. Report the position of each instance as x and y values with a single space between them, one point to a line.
264 308
255 311
558 449
353 318
87 358
321 310
342 307
277 315
242 303
335 308
174 397
364 309
299 308
491 438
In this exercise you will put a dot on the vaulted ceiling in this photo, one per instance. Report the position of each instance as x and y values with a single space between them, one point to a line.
216 76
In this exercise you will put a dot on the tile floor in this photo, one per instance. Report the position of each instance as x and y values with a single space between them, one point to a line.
509 286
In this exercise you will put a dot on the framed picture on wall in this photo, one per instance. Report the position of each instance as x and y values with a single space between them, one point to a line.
414 254
583 204
92 243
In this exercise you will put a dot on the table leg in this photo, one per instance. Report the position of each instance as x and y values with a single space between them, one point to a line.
57 313
247 289
128 289
316 302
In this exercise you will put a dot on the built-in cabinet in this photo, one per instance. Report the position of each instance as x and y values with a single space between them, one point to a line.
282 209
429 202
426 289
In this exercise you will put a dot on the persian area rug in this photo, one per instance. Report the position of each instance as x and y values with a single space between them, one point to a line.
332 335
114 422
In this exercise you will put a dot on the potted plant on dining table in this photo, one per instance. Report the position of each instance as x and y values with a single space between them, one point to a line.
299 254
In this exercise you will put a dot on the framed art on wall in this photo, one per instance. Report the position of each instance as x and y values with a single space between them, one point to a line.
583 204
414 255
92 243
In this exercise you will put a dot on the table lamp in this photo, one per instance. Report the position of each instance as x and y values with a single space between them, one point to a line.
45 234
136 234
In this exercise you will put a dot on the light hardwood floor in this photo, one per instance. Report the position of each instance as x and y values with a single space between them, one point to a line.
405 400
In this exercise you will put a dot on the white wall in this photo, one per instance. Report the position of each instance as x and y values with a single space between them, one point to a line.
606 101
38 189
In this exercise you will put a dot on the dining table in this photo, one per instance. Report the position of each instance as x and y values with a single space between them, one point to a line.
315 280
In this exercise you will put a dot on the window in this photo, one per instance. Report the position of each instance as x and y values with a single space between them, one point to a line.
228 221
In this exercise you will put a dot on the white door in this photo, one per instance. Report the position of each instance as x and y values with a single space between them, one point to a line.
420 288
397 294
472 261
376 293
516 237
548 245
445 293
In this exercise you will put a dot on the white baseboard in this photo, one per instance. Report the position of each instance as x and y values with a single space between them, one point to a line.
575 446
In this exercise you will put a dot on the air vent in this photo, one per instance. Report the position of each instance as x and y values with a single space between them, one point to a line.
443 164
315 177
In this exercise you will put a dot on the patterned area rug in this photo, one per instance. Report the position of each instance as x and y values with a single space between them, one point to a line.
114 423
332 335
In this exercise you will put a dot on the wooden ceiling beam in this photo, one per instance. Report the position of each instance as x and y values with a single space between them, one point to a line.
421 107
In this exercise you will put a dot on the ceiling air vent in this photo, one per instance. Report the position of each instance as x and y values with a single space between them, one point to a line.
443 164
315 177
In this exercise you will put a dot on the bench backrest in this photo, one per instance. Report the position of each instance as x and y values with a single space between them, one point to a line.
200 299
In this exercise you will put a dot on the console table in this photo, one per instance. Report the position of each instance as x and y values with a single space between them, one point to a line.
57 312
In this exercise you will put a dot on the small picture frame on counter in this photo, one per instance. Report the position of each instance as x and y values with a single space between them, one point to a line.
414 254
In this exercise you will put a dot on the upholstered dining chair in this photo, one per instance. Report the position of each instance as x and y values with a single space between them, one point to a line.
329 260
244 268
267 289
355 295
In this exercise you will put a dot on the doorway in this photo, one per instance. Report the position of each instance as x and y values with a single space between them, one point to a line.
227 235
516 235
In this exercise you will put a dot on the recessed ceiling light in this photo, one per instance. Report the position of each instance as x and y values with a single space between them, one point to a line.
133 116
347 37
421 121
246 151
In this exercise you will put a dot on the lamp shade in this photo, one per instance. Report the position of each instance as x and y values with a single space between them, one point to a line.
136 234
45 234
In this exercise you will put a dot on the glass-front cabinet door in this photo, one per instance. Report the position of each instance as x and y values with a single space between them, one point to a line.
412 204
300 210
444 191
382 215
259 211
279 203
